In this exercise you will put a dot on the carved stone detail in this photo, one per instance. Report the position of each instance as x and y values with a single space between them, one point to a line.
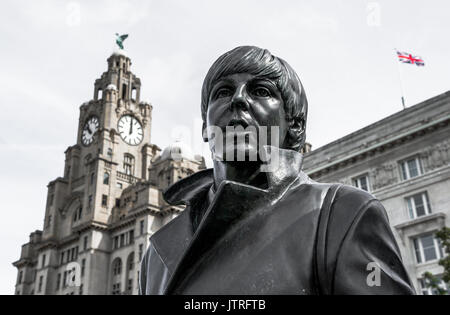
436 156
384 175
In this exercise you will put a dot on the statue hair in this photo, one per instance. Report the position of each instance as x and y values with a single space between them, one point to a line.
260 62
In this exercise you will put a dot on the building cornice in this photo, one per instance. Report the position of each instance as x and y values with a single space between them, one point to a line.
379 147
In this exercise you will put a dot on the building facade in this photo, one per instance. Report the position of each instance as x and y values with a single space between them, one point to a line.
100 214
404 160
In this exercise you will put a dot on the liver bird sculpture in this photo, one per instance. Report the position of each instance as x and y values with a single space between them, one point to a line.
120 39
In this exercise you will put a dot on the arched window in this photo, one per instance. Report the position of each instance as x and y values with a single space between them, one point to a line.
106 178
128 164
78 213
130 261
117 267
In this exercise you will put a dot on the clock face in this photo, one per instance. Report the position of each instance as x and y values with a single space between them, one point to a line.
130 130
89 130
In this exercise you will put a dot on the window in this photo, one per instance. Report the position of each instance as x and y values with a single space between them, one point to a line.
119 185
43 261
65 279
141 251
90 201
80 292
427 248
106 178
117 267
130 261
128 164
411 168
141 227
69 255
85 243
83 267
92 178
118 202
78 213
116 289
130 286
122 240
41 280
124 90
104 200
362 182
52 197
418 205
429 291
58 281
131 237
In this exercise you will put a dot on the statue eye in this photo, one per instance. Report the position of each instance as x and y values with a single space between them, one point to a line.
261 92
223 92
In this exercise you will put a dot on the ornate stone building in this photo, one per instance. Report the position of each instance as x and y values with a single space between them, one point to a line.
404 160
100 214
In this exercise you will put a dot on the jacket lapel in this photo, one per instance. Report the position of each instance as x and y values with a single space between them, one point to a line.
221 214
174 237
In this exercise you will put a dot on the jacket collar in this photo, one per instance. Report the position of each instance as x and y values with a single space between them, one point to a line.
283 168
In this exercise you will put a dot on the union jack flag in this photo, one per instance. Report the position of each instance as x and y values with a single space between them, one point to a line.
408 58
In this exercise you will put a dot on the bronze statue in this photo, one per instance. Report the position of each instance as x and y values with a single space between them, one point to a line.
254 228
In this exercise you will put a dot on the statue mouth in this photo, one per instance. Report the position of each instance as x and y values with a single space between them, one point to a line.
238 122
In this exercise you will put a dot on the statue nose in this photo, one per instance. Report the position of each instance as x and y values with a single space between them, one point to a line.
239 100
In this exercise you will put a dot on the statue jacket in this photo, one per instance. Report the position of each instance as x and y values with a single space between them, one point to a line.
295 237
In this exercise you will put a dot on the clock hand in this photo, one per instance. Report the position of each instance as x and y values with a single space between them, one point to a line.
131 126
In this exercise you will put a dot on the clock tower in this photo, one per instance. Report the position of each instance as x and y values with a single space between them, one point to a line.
100 214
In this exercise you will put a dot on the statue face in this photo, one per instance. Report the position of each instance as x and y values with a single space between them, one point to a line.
247 104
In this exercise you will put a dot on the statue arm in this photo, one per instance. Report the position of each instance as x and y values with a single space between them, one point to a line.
154 273
368 260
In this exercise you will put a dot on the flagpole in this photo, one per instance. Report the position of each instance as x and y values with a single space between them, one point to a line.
401 80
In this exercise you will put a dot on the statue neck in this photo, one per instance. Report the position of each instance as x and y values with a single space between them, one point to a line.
242 172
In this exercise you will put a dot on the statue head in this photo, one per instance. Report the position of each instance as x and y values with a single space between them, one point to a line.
250 86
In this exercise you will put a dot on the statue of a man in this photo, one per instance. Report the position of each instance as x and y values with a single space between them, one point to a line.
255 223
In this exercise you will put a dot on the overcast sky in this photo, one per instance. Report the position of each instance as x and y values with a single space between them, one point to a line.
52 51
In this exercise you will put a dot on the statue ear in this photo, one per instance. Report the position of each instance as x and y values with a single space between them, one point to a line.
298 125
295 135
204 133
